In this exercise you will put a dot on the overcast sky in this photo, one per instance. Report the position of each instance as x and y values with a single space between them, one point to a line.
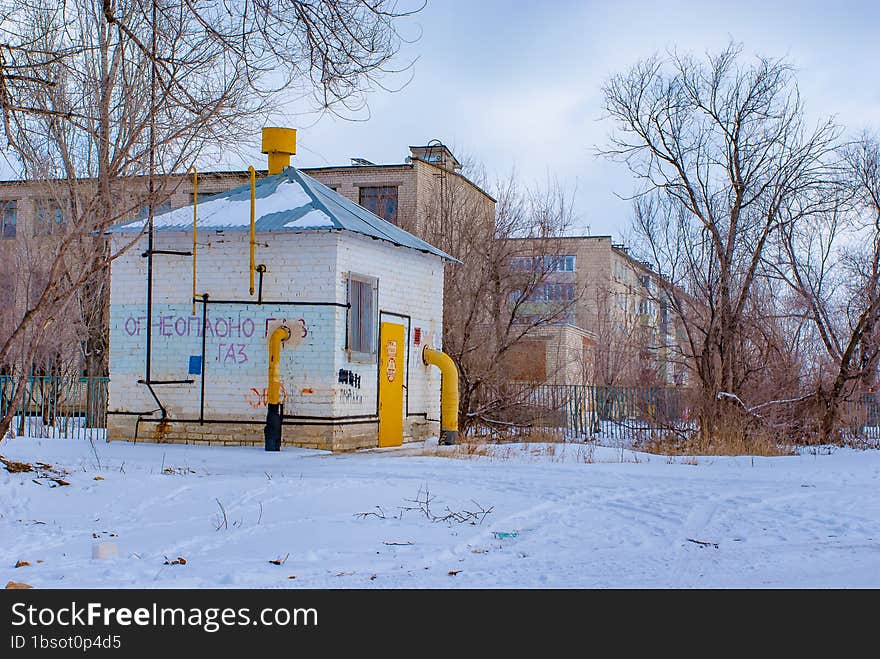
518 84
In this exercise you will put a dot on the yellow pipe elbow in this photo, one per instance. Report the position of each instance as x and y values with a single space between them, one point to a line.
279 334
448 393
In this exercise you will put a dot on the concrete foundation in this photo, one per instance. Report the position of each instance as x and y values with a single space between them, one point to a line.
343 436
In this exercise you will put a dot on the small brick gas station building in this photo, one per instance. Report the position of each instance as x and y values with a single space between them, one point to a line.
189 339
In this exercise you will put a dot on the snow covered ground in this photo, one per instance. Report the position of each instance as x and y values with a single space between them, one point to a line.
560 515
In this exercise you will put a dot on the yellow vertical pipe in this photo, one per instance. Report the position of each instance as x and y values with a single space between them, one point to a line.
273 393
448 393
195 218
253 267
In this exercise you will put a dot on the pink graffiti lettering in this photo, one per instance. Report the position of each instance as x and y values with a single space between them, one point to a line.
232 352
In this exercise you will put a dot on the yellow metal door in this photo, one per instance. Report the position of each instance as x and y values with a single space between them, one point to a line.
392 362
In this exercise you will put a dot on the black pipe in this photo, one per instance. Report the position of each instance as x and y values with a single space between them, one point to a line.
343 305
204 336
304 417
272 431
252 422
151 251
260 269
150 210
155 398
149 290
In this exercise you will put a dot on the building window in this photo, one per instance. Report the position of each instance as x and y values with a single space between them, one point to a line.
7 219
549 263
362 317
51 217
553 293
381 201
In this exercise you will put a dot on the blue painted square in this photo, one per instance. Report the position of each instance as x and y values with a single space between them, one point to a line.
195 364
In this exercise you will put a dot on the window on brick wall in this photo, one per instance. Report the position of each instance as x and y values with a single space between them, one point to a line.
362 317
51 217
554 263
381 201
8 208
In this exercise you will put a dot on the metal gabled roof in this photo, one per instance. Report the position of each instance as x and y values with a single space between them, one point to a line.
289 201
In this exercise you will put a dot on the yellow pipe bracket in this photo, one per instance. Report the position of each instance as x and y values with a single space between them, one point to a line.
448 393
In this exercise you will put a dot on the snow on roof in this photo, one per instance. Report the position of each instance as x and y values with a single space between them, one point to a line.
289 201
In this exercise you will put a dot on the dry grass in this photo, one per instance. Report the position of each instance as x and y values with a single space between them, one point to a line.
464 449
14 467
549 447
722 443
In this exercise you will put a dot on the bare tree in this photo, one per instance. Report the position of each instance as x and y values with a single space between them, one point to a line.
503 294
832 262
725 160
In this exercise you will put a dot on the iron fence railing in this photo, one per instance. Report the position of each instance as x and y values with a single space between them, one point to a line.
634 413
861 416
57 406
640 413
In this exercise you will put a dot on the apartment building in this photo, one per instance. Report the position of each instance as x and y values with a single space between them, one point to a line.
629 334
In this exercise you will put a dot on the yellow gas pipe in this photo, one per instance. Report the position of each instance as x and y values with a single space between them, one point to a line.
253 266
274 415
279 334
195 217
448 393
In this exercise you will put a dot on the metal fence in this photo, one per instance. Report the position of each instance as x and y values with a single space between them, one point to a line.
57 406
633 413
640 413
861 416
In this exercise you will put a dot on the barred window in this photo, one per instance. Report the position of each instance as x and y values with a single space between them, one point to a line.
362 317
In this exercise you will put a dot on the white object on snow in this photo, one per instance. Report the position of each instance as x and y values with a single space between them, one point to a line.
105 550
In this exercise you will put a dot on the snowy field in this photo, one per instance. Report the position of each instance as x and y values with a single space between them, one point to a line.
524 516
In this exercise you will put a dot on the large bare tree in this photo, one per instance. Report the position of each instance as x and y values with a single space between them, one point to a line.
724 159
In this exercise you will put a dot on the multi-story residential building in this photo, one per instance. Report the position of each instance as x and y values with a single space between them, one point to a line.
411 193
629 333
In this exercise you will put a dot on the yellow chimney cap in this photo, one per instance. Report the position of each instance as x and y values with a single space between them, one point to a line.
279 140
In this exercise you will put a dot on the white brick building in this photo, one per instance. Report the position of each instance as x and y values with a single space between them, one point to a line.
339 276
